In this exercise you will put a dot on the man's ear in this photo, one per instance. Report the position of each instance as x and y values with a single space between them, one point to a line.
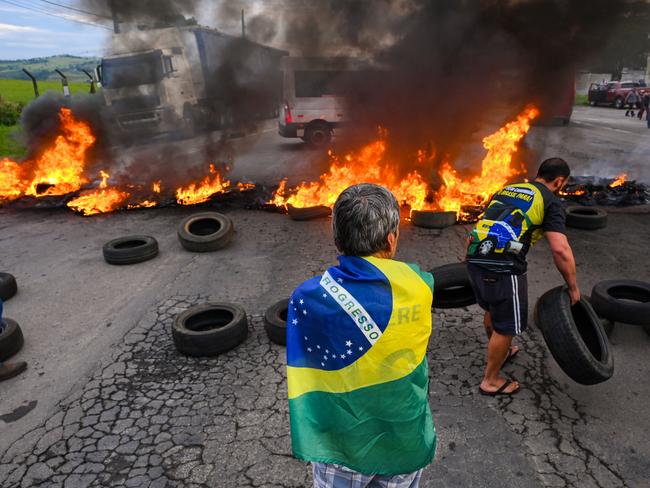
392 242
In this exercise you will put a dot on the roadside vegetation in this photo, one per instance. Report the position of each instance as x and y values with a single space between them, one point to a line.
581 99
14 96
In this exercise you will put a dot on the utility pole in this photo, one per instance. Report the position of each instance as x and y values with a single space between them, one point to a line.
116 24
243 24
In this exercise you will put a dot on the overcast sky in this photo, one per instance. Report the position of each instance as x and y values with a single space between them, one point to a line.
34 28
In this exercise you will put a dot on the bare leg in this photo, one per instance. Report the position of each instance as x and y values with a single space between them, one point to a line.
498 348
487 323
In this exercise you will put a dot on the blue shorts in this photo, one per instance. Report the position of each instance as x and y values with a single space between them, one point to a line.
504 295
335 476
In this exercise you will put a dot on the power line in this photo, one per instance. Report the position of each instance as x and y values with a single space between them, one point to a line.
76 9
45 12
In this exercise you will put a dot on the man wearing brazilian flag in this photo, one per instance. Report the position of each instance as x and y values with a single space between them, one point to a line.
356 355
516 217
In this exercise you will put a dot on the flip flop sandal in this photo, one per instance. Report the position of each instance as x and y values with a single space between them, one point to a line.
500 391
511 356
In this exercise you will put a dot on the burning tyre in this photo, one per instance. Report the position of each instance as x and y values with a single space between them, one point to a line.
11 339
130 249
308 213
626 301
575 337
8 286
452 287
209 329
205 232
275 322
586 218
433 220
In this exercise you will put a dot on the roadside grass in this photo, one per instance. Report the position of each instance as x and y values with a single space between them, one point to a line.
9 146
581 99
23 91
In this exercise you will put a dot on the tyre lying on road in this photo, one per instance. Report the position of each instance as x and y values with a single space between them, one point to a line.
586 218
308 213
205 232
210 329
8 286
433 220
626 301
275 322
451 286
575 337
11 339
130 249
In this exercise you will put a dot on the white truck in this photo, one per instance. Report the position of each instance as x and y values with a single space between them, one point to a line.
313 92
188 78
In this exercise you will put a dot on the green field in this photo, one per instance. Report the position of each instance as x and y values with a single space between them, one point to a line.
23 91
43 68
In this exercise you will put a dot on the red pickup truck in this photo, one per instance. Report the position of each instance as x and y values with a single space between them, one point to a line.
613 93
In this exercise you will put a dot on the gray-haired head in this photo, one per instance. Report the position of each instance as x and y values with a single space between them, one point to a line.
364 215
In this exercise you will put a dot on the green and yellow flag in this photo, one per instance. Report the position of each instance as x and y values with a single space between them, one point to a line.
356 367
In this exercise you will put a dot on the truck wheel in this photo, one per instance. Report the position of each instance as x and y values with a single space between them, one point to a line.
318 135
8 286
210 329
205 232
575 337
618 103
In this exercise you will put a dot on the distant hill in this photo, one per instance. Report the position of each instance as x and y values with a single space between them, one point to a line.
43 68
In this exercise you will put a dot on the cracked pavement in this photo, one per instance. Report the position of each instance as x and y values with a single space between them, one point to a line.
140 414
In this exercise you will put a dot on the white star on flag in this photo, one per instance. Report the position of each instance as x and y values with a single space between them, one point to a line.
305 337
348 343
327 351
294 321
340 280
325 357
349 352
360 348
304 312
301 301
317 346
322 364
291 302
309 349
342 356
324 295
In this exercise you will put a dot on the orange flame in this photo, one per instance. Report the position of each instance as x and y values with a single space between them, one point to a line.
155 187
369 165
102 200
619 181
57 171
202 192
496 169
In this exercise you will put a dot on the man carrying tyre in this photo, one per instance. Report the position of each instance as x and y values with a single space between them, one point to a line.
357 371
9 370
516 217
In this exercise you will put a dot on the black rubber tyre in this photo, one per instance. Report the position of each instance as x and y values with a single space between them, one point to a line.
275 322
11 339
318 135
130 249
618 103
205 232
8 286
308 213
210 329
607 324
626 301
433 220
647 329
586 218
575 337
451 286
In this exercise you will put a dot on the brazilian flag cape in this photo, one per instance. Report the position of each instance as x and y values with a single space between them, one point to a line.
356 367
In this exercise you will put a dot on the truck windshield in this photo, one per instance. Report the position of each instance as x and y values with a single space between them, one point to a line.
135 70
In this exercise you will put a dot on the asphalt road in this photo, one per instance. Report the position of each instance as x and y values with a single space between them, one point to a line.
107 401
